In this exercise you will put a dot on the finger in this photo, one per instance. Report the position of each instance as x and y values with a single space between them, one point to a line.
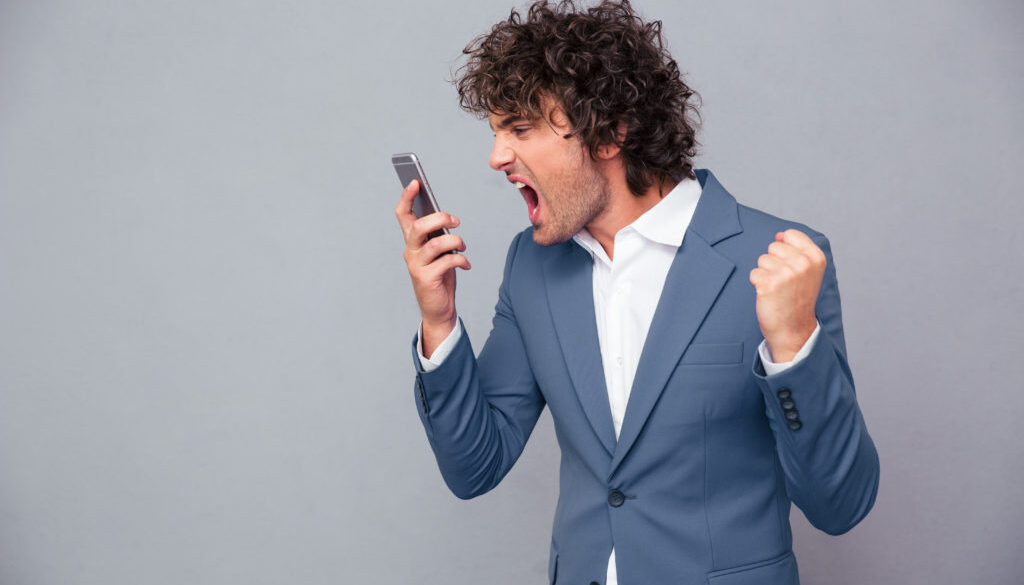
437 246
758 277
790 255
801 241
424 226
446 262
770 263
403 211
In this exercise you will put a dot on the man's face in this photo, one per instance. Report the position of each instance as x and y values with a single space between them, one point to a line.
563 187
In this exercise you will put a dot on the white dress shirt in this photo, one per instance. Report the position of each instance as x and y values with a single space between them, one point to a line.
626 293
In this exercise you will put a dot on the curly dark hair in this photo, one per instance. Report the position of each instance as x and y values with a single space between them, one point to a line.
605 67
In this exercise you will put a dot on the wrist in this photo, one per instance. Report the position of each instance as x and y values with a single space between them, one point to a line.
445 324
784 346
434 333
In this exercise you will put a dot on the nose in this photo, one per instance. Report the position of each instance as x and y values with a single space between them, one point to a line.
502 155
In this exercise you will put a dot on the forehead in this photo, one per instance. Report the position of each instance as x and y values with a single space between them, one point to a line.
548 109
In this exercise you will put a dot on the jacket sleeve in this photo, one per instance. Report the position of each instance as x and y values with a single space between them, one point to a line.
479 412
829 460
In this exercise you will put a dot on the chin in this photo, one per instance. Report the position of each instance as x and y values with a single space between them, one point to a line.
544 237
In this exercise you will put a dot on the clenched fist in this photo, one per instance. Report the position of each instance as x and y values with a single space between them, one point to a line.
787 280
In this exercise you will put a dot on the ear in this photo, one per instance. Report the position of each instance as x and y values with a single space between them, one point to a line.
610 151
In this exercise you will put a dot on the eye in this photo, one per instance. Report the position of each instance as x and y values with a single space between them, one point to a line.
520 130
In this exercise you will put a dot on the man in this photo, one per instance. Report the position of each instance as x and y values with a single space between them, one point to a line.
690 348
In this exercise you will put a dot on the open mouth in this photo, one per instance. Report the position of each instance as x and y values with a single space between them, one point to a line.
531 198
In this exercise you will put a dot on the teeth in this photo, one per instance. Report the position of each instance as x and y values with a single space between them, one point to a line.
519 184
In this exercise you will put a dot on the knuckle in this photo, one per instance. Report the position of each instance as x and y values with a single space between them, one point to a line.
431 246
420 227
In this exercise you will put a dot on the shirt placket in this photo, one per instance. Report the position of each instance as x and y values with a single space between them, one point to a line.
616 315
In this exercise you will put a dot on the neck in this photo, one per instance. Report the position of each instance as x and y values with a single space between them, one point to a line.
624 207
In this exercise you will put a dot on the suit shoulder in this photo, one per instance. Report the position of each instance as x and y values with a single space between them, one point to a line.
521 243
762 224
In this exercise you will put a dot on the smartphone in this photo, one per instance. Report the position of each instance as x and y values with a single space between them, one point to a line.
408 167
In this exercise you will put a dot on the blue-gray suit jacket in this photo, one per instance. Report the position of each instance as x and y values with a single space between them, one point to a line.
697 489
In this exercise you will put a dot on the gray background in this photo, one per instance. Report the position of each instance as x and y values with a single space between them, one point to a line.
205 319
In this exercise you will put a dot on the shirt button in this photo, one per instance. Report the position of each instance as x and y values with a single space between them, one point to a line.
616 498
618 360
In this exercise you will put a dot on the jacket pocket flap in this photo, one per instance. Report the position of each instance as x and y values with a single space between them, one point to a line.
778 571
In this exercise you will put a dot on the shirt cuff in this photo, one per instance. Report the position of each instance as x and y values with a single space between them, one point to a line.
771 368
437 358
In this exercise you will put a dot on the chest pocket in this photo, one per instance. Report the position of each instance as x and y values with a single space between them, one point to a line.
710 354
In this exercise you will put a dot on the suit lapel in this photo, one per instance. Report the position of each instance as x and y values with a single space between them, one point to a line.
570 287
694 281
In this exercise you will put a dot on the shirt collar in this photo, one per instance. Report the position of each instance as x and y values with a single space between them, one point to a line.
665 223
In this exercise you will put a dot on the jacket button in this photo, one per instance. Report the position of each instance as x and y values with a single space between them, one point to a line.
788 405
792 414
795 425
616 498
783 393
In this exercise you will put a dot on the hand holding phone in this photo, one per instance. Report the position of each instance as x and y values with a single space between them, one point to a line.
428 251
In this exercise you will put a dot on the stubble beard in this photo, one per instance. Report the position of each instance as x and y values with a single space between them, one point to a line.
583 196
